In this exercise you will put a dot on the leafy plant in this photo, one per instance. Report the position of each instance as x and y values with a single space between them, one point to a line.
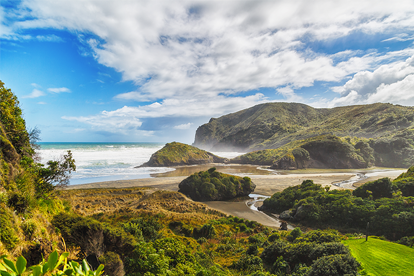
55 265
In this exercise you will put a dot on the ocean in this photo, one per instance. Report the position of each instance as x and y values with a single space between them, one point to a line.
96 162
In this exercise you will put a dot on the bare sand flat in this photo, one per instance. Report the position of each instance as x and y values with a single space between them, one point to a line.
163 183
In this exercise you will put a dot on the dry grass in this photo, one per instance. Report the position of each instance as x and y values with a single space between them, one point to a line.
135 201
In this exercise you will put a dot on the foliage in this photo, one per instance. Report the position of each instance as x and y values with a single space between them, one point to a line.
388 214
13 122
213 185
335 265
377 189
7 233
56 174
55 265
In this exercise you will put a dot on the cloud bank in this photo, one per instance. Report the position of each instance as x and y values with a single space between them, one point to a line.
200 58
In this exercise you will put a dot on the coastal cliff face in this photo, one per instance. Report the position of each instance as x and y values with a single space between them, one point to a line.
178 154
272 125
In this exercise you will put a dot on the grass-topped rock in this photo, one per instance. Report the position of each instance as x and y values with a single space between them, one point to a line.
213 185
178 154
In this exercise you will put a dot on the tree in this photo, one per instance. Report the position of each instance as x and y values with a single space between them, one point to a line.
56 174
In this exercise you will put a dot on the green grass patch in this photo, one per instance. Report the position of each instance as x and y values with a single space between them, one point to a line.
379 257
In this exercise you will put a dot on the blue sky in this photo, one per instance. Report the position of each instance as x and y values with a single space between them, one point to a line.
153 71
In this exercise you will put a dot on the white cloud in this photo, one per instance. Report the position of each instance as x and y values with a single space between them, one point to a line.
59 90
35 94
113 122
389 83
134 96
288 93
183 126
400 37
41 103
176 49
366 82
49 38
399 92
128 118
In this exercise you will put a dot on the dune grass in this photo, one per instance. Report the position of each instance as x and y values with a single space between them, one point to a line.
379 257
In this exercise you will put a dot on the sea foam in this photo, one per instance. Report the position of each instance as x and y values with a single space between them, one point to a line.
96 162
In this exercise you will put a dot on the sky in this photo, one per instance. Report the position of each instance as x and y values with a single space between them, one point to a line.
154 71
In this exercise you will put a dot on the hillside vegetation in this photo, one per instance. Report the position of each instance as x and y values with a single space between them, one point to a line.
292 135
213 185
178 154
325 151
271 125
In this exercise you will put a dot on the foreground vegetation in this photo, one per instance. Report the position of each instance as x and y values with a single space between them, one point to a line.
382 258
148 232
164 233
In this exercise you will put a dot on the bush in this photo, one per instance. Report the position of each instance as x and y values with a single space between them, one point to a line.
378 189
248 263
213 185
335 265
274 236
207 231
8 234
273 251
295 233
326 249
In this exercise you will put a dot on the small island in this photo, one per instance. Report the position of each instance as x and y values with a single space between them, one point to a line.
212 185
179 154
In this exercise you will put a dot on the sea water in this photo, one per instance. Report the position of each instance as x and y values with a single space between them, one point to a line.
97 162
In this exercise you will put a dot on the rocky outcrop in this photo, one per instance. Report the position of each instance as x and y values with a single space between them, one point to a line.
178 154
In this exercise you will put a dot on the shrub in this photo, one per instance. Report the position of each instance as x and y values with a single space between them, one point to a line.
379 188
8 234
273 251
274 236
295 233
207 231
326 249
334 265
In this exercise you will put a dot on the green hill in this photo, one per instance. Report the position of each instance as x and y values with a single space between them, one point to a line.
325 151
178 154
343 137
379 257
271 125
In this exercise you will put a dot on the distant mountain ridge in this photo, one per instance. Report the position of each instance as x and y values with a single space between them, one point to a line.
272 125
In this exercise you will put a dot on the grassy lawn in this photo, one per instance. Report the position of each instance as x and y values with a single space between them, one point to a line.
380 257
